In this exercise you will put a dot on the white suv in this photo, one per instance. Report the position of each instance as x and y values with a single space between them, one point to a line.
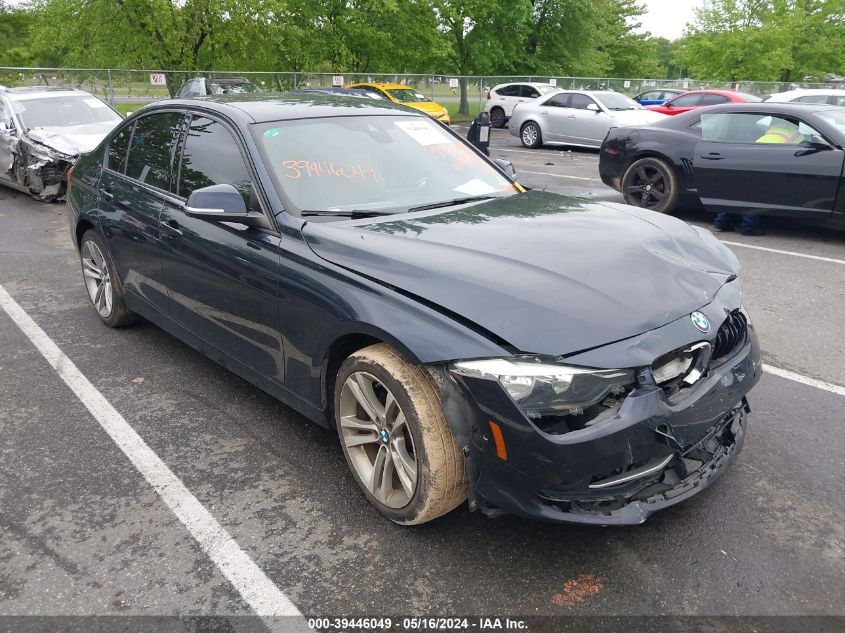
502 99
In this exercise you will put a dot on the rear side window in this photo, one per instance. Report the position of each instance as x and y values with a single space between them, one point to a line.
712 99
211 157
151 149
509 91
119 149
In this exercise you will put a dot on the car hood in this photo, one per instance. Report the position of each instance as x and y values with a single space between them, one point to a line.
429 107
624 118
72 140
548 274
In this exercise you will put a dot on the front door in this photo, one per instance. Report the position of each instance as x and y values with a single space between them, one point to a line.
134 184
773 165
221 275
585 126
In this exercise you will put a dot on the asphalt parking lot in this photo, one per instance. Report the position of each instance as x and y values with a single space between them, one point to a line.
84 533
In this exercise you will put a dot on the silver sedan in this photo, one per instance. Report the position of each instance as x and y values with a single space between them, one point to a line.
576 117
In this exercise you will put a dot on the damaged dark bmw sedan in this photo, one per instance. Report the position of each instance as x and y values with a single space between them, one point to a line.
536 354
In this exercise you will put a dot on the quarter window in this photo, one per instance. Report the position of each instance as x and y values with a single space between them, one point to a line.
119 149
151 149
211 157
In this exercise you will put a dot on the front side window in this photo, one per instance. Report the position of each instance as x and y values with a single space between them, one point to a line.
580 102
709 99
530 92
755 128
406 95
211 157
381 164
119 149
558 101
151 149
686 101
64 111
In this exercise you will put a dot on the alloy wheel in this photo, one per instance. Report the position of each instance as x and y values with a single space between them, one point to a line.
97 278
377 439
647 187
529 135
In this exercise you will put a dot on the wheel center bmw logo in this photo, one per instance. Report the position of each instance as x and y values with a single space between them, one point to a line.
701 322
384 436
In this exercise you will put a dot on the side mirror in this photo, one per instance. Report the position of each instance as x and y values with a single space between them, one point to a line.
593 107
223 202
506 166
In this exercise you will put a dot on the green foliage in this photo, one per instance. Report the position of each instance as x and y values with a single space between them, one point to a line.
14 26
767 40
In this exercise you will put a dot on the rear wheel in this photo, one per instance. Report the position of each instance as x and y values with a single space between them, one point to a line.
395 437
102 282
530 135
497 118
651 183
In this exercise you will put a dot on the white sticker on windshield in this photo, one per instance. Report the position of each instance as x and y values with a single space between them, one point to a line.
476 187
95 103
423 132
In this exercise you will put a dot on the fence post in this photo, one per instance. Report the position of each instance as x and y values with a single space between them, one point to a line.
111 89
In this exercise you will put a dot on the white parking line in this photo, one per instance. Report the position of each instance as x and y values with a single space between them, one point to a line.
804 380
547 152
780 252
543 173
265 598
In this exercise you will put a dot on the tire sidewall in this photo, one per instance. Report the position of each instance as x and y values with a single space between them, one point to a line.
671 200
497 112
400 515
113 318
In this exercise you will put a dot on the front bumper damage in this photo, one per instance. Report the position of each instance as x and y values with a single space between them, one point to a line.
658 449
34 167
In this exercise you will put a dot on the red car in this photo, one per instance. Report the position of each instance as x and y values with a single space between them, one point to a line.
700 98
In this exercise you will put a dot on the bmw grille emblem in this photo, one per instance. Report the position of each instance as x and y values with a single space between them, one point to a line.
701 322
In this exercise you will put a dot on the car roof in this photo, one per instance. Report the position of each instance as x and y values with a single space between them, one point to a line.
265 107
229 80
34 92
536 84
385 86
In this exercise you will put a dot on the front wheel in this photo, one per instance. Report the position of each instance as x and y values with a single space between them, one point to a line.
651 183
395 437
102 282
531 135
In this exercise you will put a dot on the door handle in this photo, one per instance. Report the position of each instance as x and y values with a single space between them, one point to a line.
106 194
171 228
571 116
712 156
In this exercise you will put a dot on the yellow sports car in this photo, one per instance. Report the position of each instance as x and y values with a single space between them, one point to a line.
400 93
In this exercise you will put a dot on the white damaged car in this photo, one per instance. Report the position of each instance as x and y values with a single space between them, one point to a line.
576 117
43 130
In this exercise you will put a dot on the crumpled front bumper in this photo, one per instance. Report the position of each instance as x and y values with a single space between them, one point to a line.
33 167
655 452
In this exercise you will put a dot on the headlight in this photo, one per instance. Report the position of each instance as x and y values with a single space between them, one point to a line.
549 388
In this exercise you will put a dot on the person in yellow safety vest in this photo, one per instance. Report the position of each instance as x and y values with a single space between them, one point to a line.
783 132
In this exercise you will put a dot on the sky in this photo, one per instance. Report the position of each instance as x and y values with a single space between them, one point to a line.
667 18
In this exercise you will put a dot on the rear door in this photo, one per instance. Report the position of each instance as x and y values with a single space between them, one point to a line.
221 275
135 182
554 117
735 172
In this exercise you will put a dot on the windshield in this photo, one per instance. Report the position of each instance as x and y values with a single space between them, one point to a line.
547 89
406 95
616 101
380 164
232 88
64 111
835 117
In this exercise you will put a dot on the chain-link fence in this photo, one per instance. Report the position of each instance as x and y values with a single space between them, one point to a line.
132 88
